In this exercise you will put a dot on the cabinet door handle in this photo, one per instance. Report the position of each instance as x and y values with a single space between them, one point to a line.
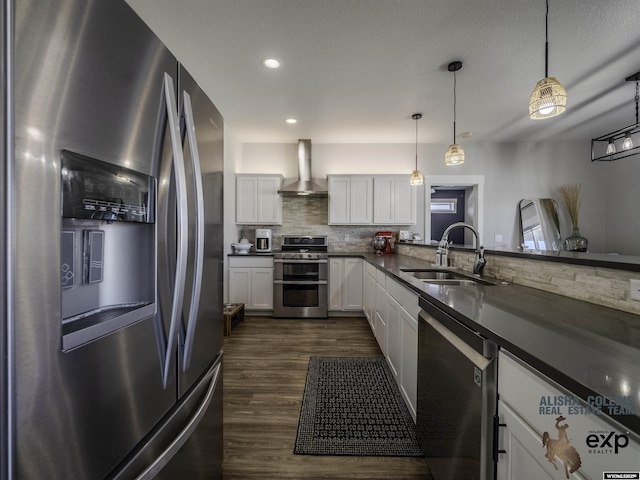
496 429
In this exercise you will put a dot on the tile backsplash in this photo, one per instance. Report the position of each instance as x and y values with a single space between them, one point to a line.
603 286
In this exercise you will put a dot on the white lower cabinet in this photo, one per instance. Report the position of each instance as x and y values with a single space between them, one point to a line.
345 284
531 405
393 336
523 456
380 327
392 311
251 282
402 340
408 376
369 294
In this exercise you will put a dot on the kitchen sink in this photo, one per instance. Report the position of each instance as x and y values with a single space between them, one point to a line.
445 277
457 281
434 275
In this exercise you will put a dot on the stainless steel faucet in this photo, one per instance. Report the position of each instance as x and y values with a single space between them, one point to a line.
443 247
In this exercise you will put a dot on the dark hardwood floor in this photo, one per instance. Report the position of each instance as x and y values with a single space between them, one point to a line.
265 367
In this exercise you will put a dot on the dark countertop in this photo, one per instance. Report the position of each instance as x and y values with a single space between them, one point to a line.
591 350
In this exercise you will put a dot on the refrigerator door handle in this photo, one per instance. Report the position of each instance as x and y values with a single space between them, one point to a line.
182 231
168 453
192 319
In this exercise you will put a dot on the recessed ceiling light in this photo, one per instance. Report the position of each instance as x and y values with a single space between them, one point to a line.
291 121
271 62
466 134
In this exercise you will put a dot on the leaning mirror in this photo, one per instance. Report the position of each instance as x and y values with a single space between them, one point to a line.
539 224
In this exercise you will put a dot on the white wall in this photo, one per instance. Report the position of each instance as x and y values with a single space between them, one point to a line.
511 171
232 162
621 195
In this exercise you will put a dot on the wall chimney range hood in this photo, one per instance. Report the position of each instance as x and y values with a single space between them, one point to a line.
305 185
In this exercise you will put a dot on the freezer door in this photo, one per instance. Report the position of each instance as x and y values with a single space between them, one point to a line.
201 332
89 78
188 442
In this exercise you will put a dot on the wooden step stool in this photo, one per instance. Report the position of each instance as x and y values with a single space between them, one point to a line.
233 313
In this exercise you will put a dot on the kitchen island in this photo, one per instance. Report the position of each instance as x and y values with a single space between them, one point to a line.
590 350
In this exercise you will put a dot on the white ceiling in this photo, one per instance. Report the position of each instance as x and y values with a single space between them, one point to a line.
354 71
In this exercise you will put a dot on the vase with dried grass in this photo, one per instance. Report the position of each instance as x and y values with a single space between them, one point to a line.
570 194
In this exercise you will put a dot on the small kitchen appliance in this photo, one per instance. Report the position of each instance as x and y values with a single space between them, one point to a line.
263 240
382 243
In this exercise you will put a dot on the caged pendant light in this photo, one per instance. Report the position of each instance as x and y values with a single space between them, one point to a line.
455 153
625 136
416 177
549 97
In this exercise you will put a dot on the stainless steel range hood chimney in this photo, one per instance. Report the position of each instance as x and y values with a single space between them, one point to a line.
305 185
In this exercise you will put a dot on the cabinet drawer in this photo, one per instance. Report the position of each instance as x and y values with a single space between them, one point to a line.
370 269
540 402
381 278
250 261
404 296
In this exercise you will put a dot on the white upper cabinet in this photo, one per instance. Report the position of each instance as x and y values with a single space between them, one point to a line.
394 200
350 199
257 199
371 200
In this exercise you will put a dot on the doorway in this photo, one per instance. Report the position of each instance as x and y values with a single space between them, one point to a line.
473 186
447 207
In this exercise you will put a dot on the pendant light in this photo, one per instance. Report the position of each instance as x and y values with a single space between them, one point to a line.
627 138
455 154
416 177
549 98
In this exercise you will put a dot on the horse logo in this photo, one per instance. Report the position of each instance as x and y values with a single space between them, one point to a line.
561 448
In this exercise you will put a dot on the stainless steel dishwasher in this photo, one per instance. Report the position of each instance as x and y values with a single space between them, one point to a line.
456 401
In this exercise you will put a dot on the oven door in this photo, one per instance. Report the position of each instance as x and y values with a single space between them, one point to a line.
300 288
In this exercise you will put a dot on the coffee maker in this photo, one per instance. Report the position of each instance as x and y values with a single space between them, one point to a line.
263 240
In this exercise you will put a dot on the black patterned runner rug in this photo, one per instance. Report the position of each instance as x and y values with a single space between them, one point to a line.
352 406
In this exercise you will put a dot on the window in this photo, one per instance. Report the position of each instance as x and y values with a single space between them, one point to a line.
444 205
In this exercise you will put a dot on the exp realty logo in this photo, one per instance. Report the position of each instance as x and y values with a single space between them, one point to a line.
605 442
598 442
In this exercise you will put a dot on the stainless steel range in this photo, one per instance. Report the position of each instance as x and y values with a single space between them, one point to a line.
301 277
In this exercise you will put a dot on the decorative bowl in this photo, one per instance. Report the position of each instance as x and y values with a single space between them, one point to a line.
242 248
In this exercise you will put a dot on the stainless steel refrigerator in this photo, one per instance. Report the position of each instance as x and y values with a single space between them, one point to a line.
112 254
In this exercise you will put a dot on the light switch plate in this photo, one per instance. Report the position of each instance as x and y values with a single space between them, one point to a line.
634 289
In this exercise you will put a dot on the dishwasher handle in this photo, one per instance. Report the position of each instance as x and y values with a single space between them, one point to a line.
473 339
474 356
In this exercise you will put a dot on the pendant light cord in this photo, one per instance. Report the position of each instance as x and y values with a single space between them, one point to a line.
546 42
637 100
454 107
417 142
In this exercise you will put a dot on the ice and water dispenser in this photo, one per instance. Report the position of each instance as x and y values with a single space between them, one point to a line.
108 257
